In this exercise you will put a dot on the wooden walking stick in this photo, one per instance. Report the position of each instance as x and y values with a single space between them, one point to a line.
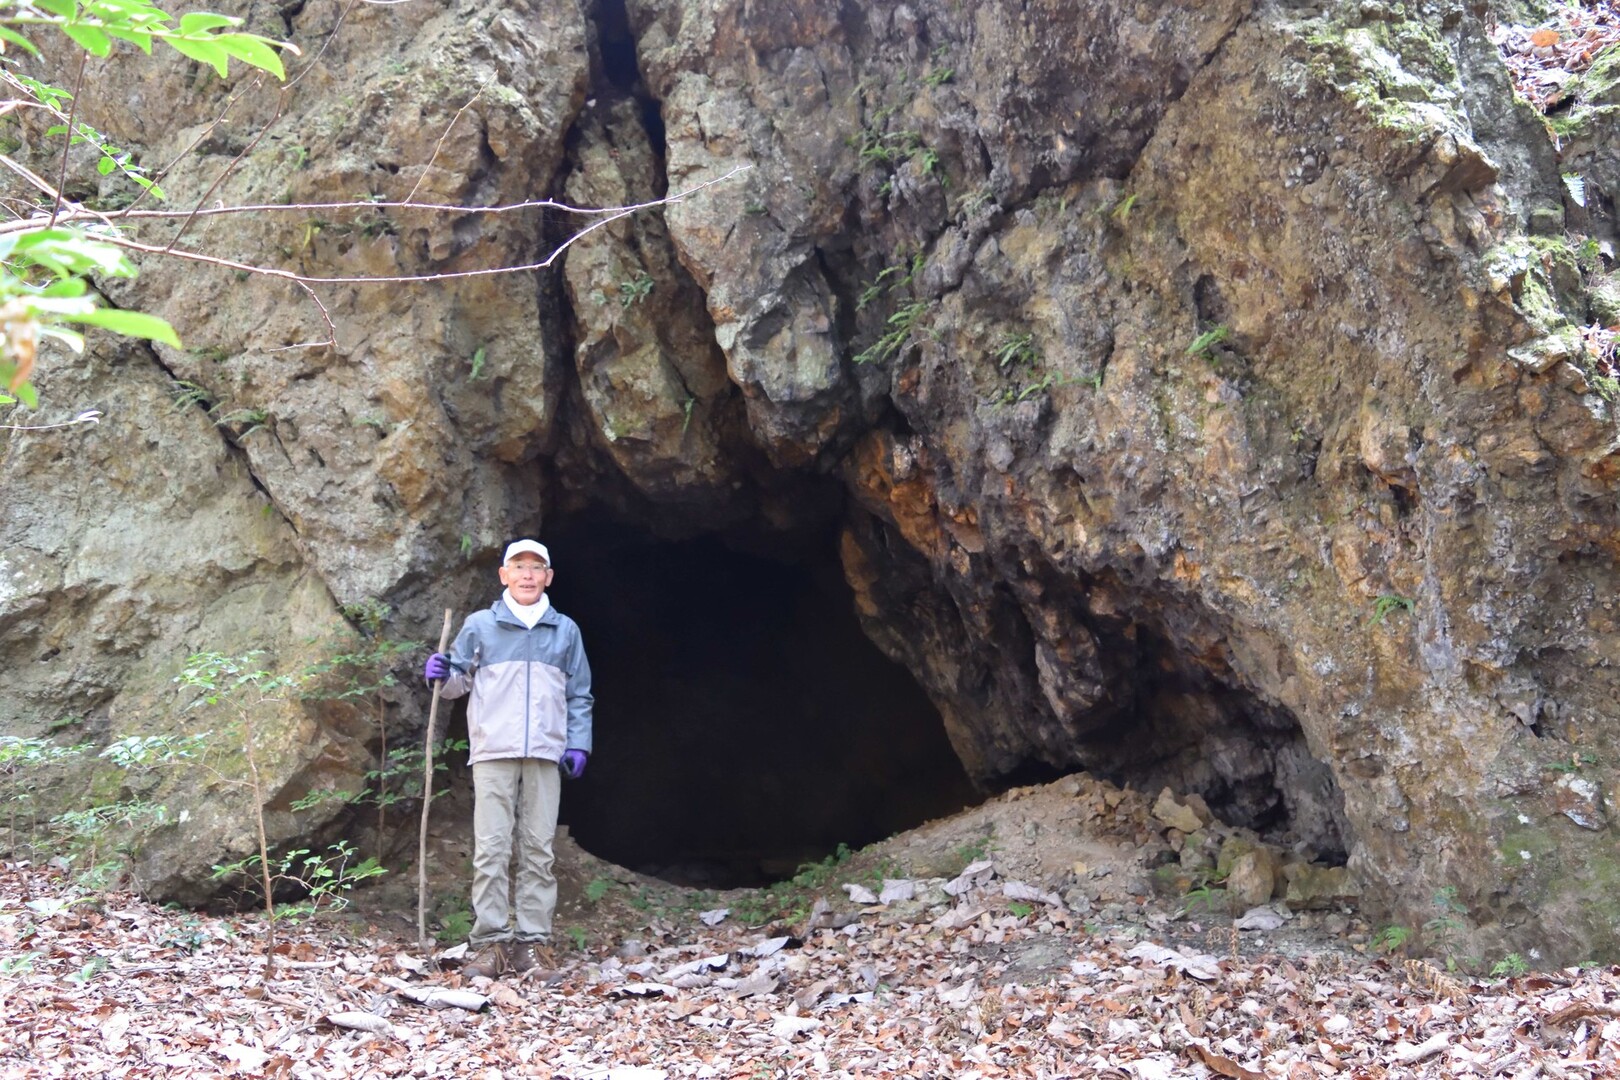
427 795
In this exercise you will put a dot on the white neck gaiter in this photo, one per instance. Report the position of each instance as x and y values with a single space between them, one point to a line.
528 614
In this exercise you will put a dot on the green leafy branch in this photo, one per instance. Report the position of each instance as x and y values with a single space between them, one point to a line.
44 271
1017 349
43 285
1510 966
1391 939
635 290
243 422
1441 931
241 685
875 148
112 157
95 24
324 877
1015 394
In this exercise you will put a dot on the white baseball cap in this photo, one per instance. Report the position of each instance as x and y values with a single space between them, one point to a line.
533 547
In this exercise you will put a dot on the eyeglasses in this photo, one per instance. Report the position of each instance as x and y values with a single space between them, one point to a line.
526 568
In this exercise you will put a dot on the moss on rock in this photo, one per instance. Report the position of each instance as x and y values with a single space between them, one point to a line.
1401 72
1593 101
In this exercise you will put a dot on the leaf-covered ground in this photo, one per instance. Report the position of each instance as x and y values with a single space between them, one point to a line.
1546 60
986 970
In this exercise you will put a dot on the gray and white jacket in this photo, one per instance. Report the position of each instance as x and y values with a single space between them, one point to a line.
531 688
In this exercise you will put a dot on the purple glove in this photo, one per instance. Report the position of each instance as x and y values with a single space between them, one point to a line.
573 764
437 667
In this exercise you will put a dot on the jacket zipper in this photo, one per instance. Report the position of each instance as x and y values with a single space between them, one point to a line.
528 684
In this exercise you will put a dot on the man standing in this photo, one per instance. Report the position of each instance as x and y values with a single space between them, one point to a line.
529 720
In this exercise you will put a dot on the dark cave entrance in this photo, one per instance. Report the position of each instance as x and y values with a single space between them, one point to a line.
744 723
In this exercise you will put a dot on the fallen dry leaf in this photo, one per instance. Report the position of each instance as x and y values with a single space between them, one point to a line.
1225 1066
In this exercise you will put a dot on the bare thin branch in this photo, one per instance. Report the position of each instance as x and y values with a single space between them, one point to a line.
326 317
89 416
368 204
615 214
12 104
316 59
35 179
201 135
281 103
330 343
359 204
378 279
61 183
447 129
75 211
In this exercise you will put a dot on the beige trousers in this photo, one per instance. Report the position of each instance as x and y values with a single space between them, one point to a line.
514 794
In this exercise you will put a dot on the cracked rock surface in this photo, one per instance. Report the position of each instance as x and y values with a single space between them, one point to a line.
1202 408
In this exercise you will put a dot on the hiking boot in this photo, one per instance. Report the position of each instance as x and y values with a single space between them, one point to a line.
520 954
493 961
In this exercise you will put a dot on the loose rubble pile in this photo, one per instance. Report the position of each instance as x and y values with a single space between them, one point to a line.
1106 851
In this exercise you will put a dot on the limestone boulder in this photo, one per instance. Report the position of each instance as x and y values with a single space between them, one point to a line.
131 545
1174 815
1313 887
1253 879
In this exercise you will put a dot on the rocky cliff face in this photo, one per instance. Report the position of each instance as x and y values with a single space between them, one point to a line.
1205 384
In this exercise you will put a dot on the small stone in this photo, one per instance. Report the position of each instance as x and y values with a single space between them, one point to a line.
1175 815
1264 919
1172 881
1077 900
1252 880
1579 800
1198 806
